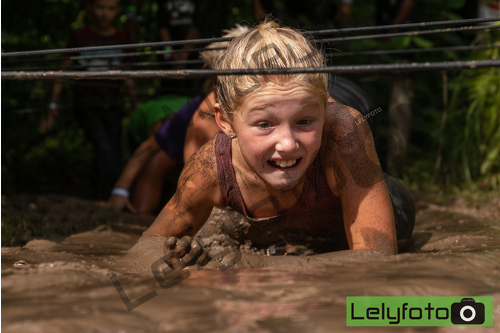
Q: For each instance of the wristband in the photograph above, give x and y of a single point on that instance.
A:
(120, 191)
(53, 106)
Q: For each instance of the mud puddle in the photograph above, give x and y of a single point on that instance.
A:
(63, 285)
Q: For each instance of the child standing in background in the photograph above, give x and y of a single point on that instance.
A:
(98, 104)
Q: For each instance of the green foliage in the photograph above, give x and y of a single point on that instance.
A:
(475, 122)
(16, 231)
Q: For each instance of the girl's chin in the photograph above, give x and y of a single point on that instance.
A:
(283, 184)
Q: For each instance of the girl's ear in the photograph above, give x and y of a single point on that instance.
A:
(224, 124)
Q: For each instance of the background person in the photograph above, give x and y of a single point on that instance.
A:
(98, 104)
(160, 155)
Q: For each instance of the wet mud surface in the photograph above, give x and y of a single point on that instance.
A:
(61, 284)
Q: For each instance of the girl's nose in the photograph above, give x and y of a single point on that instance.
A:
(286, 141)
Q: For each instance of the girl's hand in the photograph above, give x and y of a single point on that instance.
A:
(119, 203)
(183, 252)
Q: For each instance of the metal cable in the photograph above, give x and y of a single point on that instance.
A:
(410, 33)
(196, 73)
(212, 40)
(329, 55)
(403, 51)
(112, 55)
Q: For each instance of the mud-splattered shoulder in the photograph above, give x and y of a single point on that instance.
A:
(200, 172)
(342, 120)
(348, 146)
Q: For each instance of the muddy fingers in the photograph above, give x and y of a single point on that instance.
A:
(183, 252)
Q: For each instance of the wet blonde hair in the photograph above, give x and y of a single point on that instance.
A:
(210, 56)
(267, 46)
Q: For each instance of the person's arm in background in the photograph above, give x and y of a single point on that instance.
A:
(52, 112)
(344, 13)
(201, 127)
(163, 32)
(130, 85)
(404, 12)
(192, 33)
(119, 196)
(132, 28)
(258, 11)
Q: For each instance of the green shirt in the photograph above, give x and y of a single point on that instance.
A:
(151, 112)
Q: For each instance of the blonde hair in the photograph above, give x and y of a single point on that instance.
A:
(210, 56)
(267, 46)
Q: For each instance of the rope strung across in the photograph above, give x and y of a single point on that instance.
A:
(195, 73)
(114, 55)
(406, 51)
(115, 73)
(200, 62)
(213, 40)
(411, 33)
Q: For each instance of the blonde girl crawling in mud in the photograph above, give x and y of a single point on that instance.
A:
(301, 170)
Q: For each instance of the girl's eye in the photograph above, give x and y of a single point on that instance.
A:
(264, 125)
(303, 122)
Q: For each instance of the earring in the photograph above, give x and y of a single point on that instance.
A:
(231, 136)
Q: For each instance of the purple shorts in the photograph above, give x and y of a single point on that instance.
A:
(172, 134)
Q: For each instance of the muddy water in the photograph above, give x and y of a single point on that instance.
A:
(62, 286)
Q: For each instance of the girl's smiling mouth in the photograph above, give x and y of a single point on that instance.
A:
(283, 164)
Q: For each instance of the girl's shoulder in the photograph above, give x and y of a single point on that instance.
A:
(200, 173)
(344, 125)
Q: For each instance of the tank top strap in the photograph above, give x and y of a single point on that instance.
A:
(229, 190)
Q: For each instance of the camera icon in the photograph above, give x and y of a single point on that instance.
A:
(467, 312)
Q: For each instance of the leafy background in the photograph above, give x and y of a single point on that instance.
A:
(449, 154)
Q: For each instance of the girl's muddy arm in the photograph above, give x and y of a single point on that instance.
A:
(358, 179)
(197, 193)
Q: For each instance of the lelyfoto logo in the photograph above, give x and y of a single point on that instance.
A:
(419, 311)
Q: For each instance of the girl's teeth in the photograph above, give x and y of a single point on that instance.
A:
(285, 164)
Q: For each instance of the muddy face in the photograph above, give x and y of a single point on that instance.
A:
(278, 133)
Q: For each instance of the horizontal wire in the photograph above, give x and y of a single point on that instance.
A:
(403, 26)
(418, 50)
(225, 39)
(408, 33)
(329, 55)
(114, 55)
(112, 67)
(116, 47)
(196, 73)
(197, 62)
